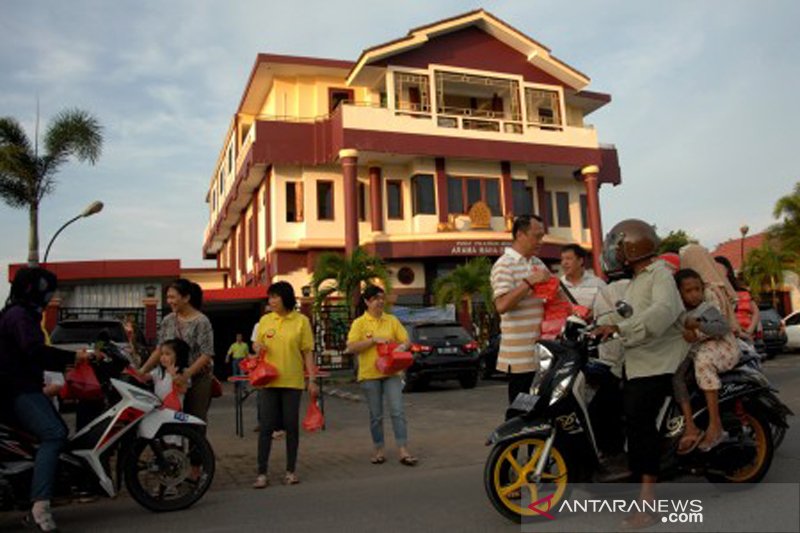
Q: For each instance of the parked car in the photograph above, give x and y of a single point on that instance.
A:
(772, 332)
(792, 325)
(442, 351)
(488, 357)
(77, 334)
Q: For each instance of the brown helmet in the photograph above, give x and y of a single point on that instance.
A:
(629, 241)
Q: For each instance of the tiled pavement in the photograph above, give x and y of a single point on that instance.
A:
(447, 427)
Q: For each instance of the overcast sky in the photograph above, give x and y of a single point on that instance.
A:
(704, 114)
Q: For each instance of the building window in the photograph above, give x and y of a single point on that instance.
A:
(544, 108)
(464, 192)
(478, 97)
(221, 183)
(562, 206)
(405, 276)
(584, 212)
(230, 159)
(522, 197)
(325, 200)
(294, 201)
(412, 93)
(337, 96)
(394, 199)
(424, 195)
(362, 202)
(547, 210)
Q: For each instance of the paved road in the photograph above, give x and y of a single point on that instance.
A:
(341, 491)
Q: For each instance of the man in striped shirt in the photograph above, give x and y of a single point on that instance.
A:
(513, 277)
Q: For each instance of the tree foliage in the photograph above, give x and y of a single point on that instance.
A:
(764, 266)
(464, 283)
(674, 241)
(345, 275)
(27, 176)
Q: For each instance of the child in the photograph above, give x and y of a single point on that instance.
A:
(714, 350)
(174, 360)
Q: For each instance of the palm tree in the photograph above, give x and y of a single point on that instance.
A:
(788, 230)
(464, 283)
(336, 273)
(764, 266)
(26, 176)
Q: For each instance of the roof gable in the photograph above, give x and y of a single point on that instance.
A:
(531, 51)
(471, 48)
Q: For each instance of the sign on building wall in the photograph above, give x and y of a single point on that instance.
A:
(475, 248)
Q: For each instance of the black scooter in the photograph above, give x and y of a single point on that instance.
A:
(551, 442)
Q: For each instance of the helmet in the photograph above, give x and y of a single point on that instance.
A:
(33, 286)
(629, 241)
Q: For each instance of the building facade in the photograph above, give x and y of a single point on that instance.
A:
(421, 151)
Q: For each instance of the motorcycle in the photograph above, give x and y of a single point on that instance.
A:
(165, 461)
(550, 443)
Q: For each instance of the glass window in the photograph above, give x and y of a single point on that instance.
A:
(337, 96)
(522, 197)
(325, 200)
(455, 195)
(294, 201)
(562, 206)
(543, 107)
(424, 195)
(493, 197)
(473, 192)
(362, 202)
(584, 212)
(477, 96)
(548, 209)
(394, 199)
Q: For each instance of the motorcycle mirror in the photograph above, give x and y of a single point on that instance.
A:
(623, 309)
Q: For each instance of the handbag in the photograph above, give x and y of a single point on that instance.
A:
(314, 420)
(390, 361)
(81, 383)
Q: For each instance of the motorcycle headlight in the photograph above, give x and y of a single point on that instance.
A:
(561, 389)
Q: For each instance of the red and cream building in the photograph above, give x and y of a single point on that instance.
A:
(421, 151)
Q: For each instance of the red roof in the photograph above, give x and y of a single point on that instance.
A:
(732, 249)
(256, 292)
(120, 269)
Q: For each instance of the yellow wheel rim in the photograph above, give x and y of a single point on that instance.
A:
(553, 481)
(760, 436)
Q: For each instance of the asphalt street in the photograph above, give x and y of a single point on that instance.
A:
(444, 493)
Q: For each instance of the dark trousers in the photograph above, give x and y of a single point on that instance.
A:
(518, 383)
(278, 405)
(605, 413)
(643, 399)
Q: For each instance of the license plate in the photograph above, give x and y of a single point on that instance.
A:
(449, 350)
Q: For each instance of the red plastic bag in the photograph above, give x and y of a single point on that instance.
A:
(389, 361)
(82, 383)
(313, 421)
(172, 400)
(263, 373)
(546, 290)
(216, 387)
(248, 364)
(556, 313)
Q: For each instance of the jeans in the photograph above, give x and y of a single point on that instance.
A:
(36, 415)
(392, 389)
(278, 407)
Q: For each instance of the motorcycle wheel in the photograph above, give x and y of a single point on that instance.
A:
(508, 469)
(159, 474)
(778, 433)
(755, 428)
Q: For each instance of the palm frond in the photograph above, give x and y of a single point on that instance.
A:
(12, 134)
(73, 132)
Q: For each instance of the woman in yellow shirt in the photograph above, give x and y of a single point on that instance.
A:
(286, 336)
(367, 331)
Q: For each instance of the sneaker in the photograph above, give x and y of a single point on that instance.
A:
(44, 523)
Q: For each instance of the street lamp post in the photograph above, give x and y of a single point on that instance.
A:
(91, 209)
(743, 230)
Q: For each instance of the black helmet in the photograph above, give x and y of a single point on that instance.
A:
(629, 241)
(33, 287)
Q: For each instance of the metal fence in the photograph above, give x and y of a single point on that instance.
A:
(106, 313)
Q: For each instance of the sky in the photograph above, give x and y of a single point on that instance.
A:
(704, 111)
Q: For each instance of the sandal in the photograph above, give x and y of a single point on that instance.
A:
(688, 443)
(261, 482)
(378, 460)
(408, 460)
(291, 479)
(713, 444)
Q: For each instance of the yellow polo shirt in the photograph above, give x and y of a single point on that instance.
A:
(366, 327)
(286, 338)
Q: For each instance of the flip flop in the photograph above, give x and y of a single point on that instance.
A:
(711, 445)
(695, 442)
(290, 479)
(408, 460)
(378, 460)
(639, 521)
